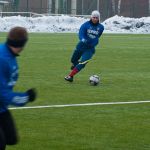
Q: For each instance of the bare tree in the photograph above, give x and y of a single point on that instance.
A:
(149, 7)
(119, 6)
(49, 6)
(113, 7)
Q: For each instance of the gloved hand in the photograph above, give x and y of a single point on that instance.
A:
(32, 94)
(84, 40)
(86, 43)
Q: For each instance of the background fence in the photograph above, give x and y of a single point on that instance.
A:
(108, 8)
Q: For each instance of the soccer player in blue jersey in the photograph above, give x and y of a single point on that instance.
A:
(89, 35)
(16, 40)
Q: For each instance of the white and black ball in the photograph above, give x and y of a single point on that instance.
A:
(94, 80)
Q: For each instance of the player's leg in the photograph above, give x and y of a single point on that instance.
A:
(75, 58)
(2, 140)
(86, 56)
(8, 128)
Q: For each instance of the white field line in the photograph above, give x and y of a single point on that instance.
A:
(78, 105)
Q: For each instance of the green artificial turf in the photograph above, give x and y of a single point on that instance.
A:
(121, 61)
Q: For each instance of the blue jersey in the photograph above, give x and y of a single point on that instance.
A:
(90, 33)
(8, 78)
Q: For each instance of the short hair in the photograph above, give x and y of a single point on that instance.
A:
(17, 37)
(18, 33)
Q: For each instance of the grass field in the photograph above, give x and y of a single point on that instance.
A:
(123, 64)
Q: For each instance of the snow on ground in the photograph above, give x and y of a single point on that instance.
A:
(43, 24)
(118, 24)
(65, 23)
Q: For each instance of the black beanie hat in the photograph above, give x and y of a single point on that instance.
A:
(17, 37)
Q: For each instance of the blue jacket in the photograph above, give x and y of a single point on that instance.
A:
(8, 78)
(89, 35)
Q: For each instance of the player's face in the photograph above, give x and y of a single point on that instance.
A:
(16, 50)
(95, 20)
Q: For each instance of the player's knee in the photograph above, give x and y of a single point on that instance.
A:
(74, 60)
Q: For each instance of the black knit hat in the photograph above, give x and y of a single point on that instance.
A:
(17, 37)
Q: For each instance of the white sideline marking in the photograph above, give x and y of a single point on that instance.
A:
(77, 105)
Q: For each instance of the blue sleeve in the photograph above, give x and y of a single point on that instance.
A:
(83, 32)
(7, 96)
(102, 29)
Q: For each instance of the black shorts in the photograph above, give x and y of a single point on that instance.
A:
(8, 133)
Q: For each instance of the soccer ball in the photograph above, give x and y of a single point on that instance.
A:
(94, 80)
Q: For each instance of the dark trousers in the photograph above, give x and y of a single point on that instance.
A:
(84, 56)
(8, 134)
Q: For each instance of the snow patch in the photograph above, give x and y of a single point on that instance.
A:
(64, 23)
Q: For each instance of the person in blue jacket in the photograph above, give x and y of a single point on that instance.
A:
(89, 35)
(16, 40)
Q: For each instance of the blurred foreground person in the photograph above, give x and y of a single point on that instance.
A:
(15, 42)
